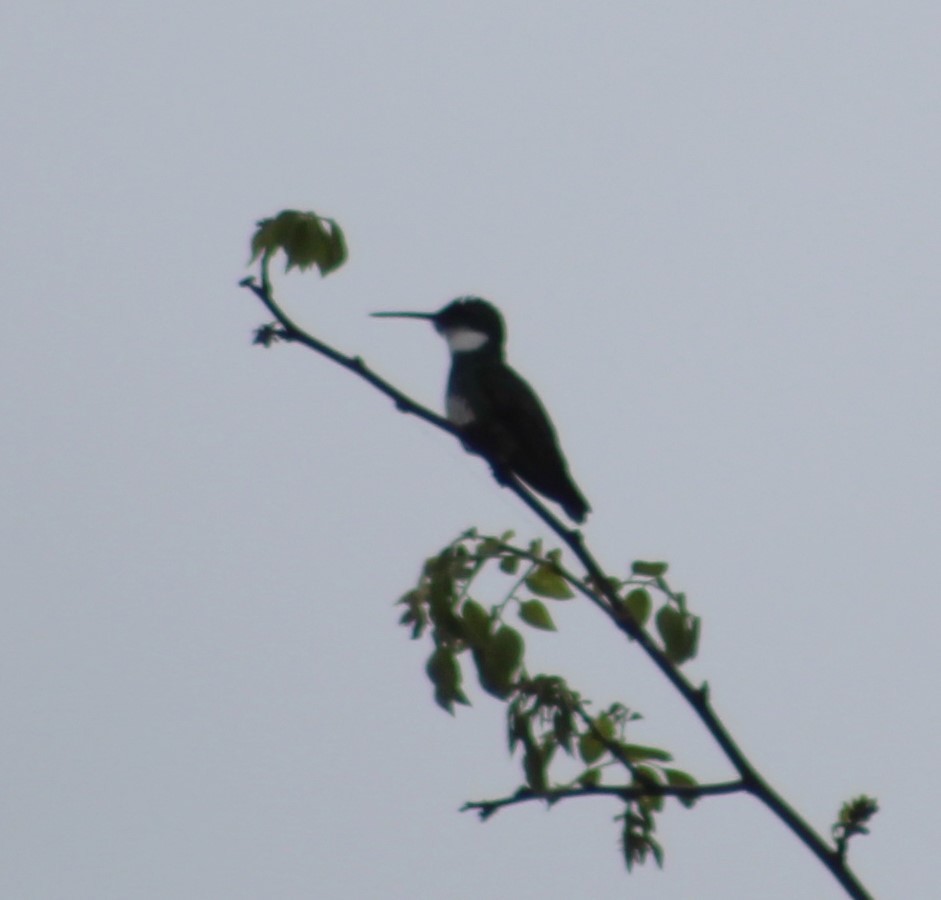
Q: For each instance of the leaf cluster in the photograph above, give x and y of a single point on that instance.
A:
(441, 604)
(677, 628)
(543, 714)
(853, 819)
(305, 238)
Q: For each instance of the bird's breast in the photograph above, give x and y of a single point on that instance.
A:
(458, 410)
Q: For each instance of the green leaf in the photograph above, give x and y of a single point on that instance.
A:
(518, 727)
(442, 595)
(657, 851)
(546, 581)
(650, 569)
(534, 613)
(510, 564)
(442, 668)
(492, 680)
(305, 242)
(476, 623)
(266, 335)
(627, 846)
(506, 649)
(498, 661)
(305, 238)
(605, 726)
(645, 776)
(335, 252)
(633, 844)
(638, 604)
(679, 632)
(415, 612)
(678, 778)
(590, 748)
(637, 840)
(590, 778)
(694, 636)
(447, 699)
(591, 744)
(445, 674)
(563, 727)
(670, 626)
(266, 238)
(534, 765)
(637, 753)
(488, 548)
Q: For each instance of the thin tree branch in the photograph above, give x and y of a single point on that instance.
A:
(486, 808)
(601, 593)
(292, 332)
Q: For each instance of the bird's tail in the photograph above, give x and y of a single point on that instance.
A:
(575, 505)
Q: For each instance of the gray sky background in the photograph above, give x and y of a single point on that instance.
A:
(714, 232)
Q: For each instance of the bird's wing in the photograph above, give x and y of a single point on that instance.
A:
(518, 434)
(526, 435)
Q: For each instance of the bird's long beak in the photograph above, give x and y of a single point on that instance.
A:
(403, 315)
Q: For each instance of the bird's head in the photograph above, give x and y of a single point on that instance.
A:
(468, 324)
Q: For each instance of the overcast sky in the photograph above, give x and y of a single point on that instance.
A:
(713, 229)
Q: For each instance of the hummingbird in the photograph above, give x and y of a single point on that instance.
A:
(498, 414)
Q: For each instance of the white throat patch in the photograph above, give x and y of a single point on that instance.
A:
(464, 340)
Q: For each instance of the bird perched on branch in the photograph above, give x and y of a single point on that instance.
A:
(497, 413)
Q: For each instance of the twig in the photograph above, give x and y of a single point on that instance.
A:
(486, 808)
